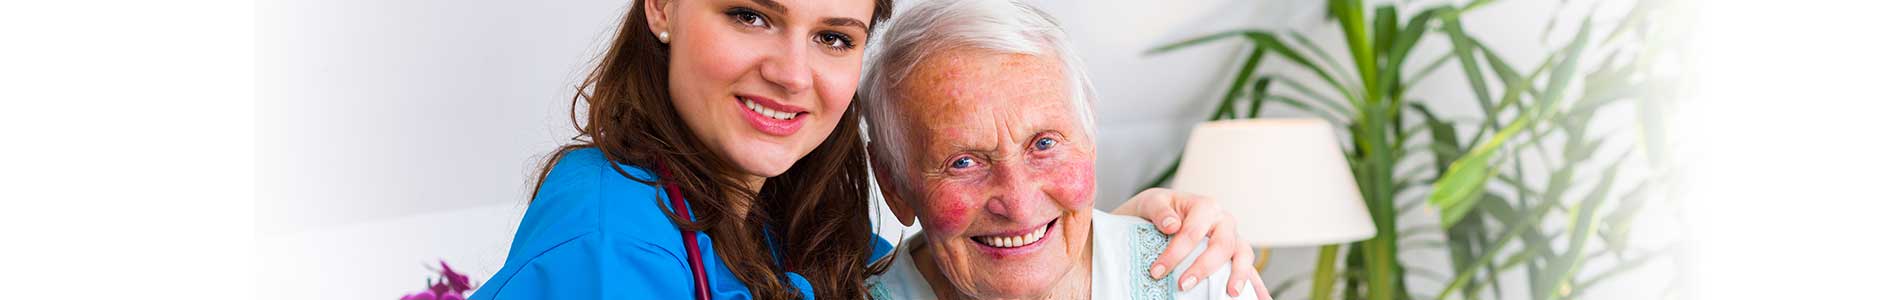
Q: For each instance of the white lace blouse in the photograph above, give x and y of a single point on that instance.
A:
(1125, 247)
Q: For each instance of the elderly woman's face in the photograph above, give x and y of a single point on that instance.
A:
(1007, 171)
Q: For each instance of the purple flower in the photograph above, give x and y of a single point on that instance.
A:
(424, 295)
(458, 283)
(451, 286)
(439, 288)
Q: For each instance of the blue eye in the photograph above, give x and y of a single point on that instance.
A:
(962, 162)
(1045, 143)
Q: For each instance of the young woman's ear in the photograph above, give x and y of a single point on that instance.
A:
(658, 21)
(900, 206)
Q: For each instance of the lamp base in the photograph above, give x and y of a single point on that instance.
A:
(1260, 259)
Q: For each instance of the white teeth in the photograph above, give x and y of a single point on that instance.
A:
(767, 112)
(1014, 241)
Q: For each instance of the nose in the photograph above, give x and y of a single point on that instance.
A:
(1014, 195)
(789, 69)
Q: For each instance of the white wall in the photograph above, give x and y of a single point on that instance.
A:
(394, 133)
(376, 109)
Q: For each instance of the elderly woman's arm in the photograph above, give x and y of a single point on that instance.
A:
(1204, 219)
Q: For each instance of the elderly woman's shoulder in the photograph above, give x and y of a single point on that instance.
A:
(1132, 244)
(1127, 246)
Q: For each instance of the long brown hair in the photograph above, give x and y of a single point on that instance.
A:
(817, 211)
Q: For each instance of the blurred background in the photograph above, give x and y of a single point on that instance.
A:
(1646, 149)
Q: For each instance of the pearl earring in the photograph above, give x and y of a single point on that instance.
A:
(665, 38)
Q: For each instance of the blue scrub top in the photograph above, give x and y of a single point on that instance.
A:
(594, 234)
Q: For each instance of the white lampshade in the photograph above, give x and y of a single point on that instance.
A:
(1284, 179)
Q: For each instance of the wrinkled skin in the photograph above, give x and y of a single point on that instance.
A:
(1001, 152)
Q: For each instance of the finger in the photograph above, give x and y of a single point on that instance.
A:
(1260, 289)
(1158, 206)
(1242, 267)
(1220, 251)
(1241, 280)
(1182, 204)
(1200, 217)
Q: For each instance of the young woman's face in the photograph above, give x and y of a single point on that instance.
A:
(762, 82)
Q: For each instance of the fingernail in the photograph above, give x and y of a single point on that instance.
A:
(1156, 271)
(1232, 289)
(1169, 223)
(1187, 283)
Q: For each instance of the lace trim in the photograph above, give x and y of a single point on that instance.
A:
(1148, 244)
(878, 291)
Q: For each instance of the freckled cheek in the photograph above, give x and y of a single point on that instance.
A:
(947, 210)
(1073, 185)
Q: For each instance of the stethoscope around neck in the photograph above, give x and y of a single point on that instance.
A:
(701, 289)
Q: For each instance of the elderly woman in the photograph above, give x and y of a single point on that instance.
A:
(982, 127)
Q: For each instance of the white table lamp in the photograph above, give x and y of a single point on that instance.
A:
(1285, 179)
(1287, 182)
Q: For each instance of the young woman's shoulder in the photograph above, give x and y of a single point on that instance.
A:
(587, 193)
(589, 230)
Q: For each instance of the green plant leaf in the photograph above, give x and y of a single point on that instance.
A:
(1226, 108)
(1534, 242)
(1170, 47)
(1430, 68)
(1385, 28)
(1272, 42)
(1331, 105)
(1621, 267)
(1320, 52)
(1351, 15)
(1411, 34)
(1261, 40)
(1259, 96)
(1566, 69)
(1584, 222)
(1456, 192)
(1308, 108)
(1527, 220)
(1400, 47)
(1616, 227)
(1444, 138)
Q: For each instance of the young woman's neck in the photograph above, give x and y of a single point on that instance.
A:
(752, 184)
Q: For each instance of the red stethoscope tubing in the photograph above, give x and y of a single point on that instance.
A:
(688, 237)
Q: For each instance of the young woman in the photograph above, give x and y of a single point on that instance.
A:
(711, 164)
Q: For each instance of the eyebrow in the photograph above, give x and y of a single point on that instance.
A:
(845, 22)
(771, 5)
(780, 8)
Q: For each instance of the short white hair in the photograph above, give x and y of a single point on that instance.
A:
(936, 26)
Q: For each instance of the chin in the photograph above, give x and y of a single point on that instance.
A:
(997, 287)
(765, 165)
(1032, 278)
(762, 157)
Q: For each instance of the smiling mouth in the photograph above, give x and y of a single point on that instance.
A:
(767, 111)
(1015, 241)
